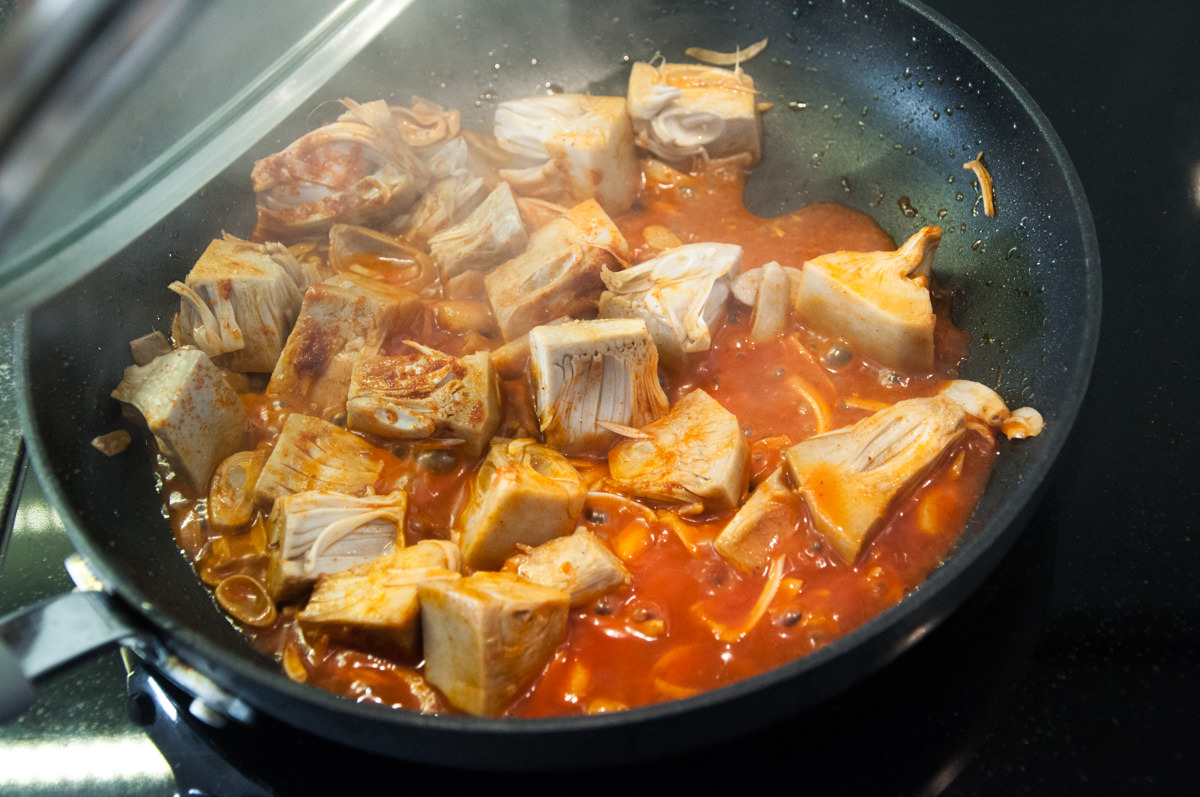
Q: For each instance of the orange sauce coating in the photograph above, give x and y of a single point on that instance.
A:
(689, 621)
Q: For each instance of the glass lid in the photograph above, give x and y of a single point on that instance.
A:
(112, 112)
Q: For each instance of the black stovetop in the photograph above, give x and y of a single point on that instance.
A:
(1076, 669)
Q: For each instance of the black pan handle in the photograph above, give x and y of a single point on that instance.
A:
(39, 639)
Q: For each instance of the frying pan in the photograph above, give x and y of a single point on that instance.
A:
(875, 105)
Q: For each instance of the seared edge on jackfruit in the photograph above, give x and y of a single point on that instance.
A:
(426, 394)
(342, 319)
(558, 274)
(357, 170)
(312, 454)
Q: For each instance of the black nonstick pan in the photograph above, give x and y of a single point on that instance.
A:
(875, 105)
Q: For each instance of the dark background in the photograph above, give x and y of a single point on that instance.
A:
(1107, 701)
(1075, 669)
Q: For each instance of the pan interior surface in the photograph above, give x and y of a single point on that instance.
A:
(873, 105)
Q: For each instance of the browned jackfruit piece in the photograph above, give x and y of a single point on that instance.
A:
(357, 170)
(559, 273)
(312, 454)
(426, 394)
(341, 320)
(373, 606)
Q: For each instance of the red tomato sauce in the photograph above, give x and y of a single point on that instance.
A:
(689, 621)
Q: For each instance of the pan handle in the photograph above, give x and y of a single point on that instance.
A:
(41, 638)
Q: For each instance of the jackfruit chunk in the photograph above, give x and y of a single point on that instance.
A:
(681, 111)
(589, 374)
(849, 477)
(523, 494)
(680, 294)
(772, 513)
(357, 170)
(195, 416)
(317, 532)
(491, 235)
(312, 454)
(488, 636)
(696, 454)
(238, 304)
(373, 606)
(567, 148)
(579, 564)
(877, 301)
(342, 319)
(426, 394)
(559, 273)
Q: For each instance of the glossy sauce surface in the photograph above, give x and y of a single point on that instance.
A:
(689, 621)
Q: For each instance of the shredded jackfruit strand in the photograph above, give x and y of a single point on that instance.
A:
(736, 58)
(291, 265)
(859, 403)
(426, 123)
(673, 662)
(814, 399)
(211, 336)
(985, 183)
(622, 430)
(340, 529)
